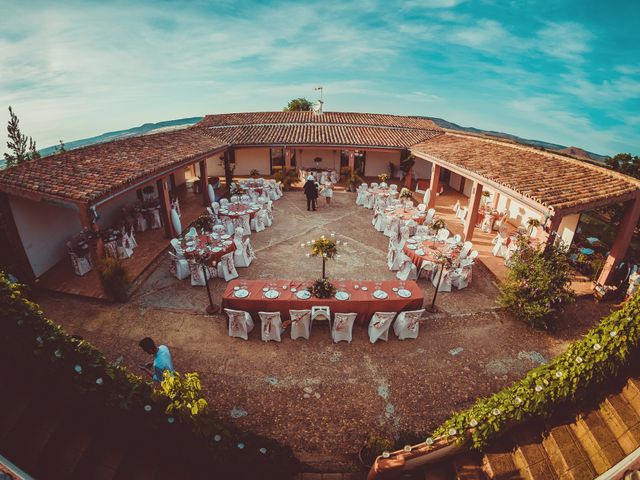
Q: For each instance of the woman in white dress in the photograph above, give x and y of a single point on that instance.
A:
(327, 192)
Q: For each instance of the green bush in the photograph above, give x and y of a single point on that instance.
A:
(33, 343)
(114, 278)
(538, 283)
(286, 176)
(571, 377)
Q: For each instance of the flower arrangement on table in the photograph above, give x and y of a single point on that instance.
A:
(436, 226)
(322, 288)
(236, 189)
(406, 194)
(383, 177)
(204, 223)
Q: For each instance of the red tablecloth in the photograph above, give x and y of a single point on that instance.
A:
(361, 302)
(206, 243)
(235, 210)
(431, 252)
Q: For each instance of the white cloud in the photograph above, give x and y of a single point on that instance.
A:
(568, 41)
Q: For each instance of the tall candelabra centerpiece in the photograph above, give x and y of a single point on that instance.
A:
(325, 248)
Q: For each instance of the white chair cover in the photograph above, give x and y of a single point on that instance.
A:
(430, 214)
(466, 248)
(300, 324)
(379, 326)
(456, 207)
(499, 248)
(445, 281)
(175, 220)
(407, 324)
(156, 223)
(141, 223)
(132, 238)
(487, 223)
(461, 277)
(257, 222)
(197, 274)
(426, 269)
(443, 234)
(226, 268)
(423, 231)
(407, 270)
(271, 326)
(192, 232)
(392, 229)
(240, 323)
(369, 200)
(427, 196)
(422, 207)
(394, 257)
(179, 267)
(342, 327)
(224, 202)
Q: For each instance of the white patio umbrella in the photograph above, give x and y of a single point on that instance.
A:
(212, 193)
(175, 221)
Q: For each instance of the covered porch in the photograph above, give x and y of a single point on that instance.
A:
(151, 244)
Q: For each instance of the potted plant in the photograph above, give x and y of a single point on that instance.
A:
(322, 288)
(317, 161)
(354, 182)
(407, 196)
(373, 446)
(383, 177)
(114, 278)
(485, 197)
(532, 223)
(254, 173)
(204, 223)
(287, 177)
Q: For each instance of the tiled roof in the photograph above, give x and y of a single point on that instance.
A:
(89, 173)
(330, 118)
(551, 180)
(310, 134)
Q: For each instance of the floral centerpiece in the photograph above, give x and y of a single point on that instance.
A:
(204, 223)
(383, 177)
(406, 194)
(436, 226)
(236, 189)
(322, 288)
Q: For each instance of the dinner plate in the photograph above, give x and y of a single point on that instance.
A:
(241, 293)
(216, 249)
(412, 247)
(420, 252)
(380, 294)
(190, 249)
(411, 240)
(364, 288)
(272, 294)
(342, 296)
(403, 292)
(225, 236)
(303, 294)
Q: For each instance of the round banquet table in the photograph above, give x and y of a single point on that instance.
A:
(235, 210)
(406, 214)
(431, 252)
(382, 192)
(213, 247)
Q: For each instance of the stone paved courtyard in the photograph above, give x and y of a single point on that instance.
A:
(323, 398)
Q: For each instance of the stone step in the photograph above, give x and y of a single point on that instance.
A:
(498, 463)
(468, 467)
(439, 471)
(530, 456)
(566, 454)
(140, 463)
(631, 392)
(598, 441)
(11, 409)
(623, 421)
(104, 456)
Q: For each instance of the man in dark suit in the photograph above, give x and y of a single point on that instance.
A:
(311, 192)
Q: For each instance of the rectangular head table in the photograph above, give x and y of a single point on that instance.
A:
(361, 302)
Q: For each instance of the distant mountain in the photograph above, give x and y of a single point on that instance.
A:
(572, 151)
(120, 134)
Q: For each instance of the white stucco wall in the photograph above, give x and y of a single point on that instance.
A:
(454, 181)
(567, 228)
(248, 159)
(44, 230)
(422, 168)
(378, 162)
(179, 176)
(330, 157)
(111, 212)
(215, 168)
(518, 213)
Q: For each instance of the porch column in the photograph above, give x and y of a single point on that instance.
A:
(287, 158)
(165, 207)
(434, 184)
(496, 199)
(407, 178)
(352, 161)
(86, 220)
(550, 233)
(623, 239)
(204, 179)
(472, 213)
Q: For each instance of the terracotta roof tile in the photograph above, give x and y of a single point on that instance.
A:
(551, 180)
(332, 118)
(89, 173)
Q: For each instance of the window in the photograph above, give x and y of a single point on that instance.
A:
(359, 159)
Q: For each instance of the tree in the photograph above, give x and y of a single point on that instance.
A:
(23, 148)
(299, 105)
(60, 148)
(538, 283)
(625, 163)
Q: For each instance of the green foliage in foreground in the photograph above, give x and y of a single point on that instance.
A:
(538, 284)
(570, 377)
(177, 412)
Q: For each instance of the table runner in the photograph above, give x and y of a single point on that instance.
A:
(361, 302)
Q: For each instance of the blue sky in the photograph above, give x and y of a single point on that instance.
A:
(562, 71)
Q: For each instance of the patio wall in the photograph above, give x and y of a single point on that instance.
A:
(249, 158)
(44, 230)
(568, 226)
(422, 168)
(330, 158)
(378, 162)
(111, 212)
